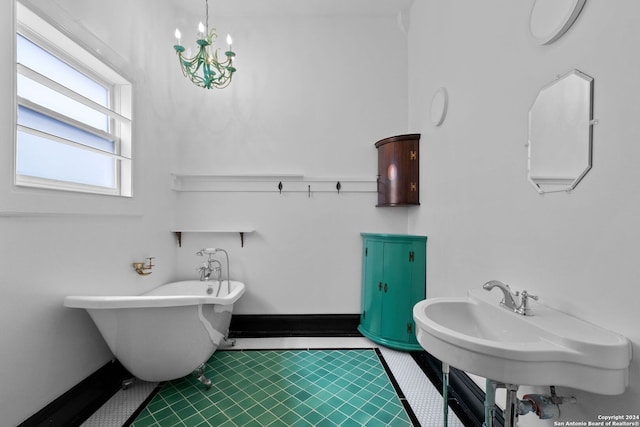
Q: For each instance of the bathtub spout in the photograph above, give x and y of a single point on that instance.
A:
(209, 267)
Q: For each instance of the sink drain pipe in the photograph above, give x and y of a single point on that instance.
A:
(544, 406)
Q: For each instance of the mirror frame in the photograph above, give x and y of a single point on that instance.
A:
(570, 120)
(548, 23)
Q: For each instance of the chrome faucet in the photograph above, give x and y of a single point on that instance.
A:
(510, 299)
(208, 268)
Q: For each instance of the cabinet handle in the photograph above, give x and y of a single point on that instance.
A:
(385, 288)
(380, 286)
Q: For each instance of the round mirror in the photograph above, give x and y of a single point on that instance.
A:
(550, 19)
(439, 104)
(560, 133)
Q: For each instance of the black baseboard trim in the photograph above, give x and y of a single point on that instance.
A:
(294, 325)
(75, 406)
(79, 403)
(466, 399)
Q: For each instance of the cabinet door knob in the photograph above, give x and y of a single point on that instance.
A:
(385, 287)
(380, 286)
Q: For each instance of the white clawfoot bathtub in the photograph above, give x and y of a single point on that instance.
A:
(165, 333)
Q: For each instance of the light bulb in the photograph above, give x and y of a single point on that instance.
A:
(229, 40)
(178, 35)
(200, 28)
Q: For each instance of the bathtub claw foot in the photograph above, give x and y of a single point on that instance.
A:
(205, 381)
(229, 342)
(126, 383)
(199, 373)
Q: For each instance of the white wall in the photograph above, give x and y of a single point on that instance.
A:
(312, 95)
(63, 244)
(577, 251)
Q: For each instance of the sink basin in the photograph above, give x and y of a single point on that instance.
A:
(477, 335)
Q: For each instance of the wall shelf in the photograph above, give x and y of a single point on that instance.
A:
(178, 232)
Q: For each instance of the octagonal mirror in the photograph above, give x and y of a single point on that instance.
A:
(560, 133)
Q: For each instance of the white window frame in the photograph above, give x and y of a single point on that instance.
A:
(46, 36)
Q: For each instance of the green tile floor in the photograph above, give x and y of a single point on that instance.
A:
(281, 388)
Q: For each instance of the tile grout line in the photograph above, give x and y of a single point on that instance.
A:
(400, 377)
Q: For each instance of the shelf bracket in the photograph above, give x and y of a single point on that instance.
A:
(242, 239)
(179, 237)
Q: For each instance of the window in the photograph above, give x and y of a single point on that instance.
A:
(73, 128)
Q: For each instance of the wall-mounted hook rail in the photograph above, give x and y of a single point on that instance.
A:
(294, 183)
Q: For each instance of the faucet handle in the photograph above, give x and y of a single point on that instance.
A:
(524, 308)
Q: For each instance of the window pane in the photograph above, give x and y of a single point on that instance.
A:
(35, 120)
(43, 62)
(69, 132)
(49, 98)
(43, 158)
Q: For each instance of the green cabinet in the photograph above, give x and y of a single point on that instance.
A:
(393, 281)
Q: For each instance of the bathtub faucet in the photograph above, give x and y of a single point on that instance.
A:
(207, 267)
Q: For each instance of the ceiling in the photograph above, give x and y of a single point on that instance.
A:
(299, 7)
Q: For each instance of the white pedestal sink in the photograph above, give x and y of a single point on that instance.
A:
(477, 335)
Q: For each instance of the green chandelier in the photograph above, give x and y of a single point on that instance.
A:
(205, 69)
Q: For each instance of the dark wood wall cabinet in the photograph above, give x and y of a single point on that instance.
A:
(399, 170)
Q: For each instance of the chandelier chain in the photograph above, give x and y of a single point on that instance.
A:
(206, 13)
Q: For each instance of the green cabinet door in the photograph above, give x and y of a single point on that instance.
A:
(393, 281)
(373, 270)
(397, 281)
